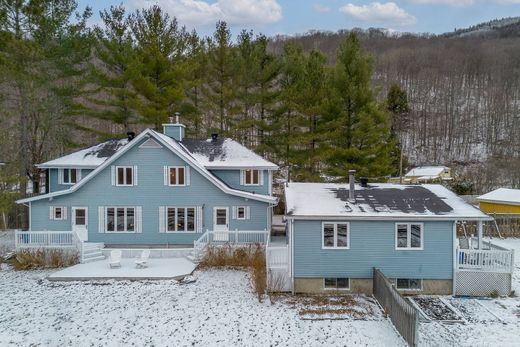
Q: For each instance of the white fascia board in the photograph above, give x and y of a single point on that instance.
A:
(242, 167)
(43, 166)
(389, 218)
(500, 202)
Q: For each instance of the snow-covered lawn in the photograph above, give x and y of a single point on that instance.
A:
(490, 322)
(219, 309)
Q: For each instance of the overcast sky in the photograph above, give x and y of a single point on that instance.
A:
(298, 16)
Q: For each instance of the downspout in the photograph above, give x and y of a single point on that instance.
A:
(455, 259)
(291, 240)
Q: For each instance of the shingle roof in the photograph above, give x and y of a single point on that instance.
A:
(380, 200)
(504, 195)
(88, 157)
(225, 153)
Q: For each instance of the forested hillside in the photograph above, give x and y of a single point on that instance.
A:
(316, 104)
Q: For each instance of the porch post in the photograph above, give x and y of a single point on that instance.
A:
(480, 229)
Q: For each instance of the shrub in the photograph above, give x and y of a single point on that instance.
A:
(251, 258)
(494, 294)
(41, 258)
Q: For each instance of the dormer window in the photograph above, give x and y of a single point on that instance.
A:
(251, 177)
(69, 176)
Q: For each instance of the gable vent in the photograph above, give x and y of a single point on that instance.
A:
(150, 143)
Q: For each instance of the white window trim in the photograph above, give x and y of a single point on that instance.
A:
(335, 235)
(245, 213)
(420, 289)
(61, 177)
(409, 237)
(117, 176)
(63, 213)
(336, 289)
(176, 175)
(115, 220)
(260, 177)
(185, 220)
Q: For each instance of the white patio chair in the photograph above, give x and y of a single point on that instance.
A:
(142, 262)
(115, 258)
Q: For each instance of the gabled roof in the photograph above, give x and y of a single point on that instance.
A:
(502, 195)
(90, 157)
(176, 148)
(426, 171)
(377, 201)
(225, 154)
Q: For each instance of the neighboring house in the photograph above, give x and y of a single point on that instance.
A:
(336, 238)
(502, 201)
(155, 189)
(425, 174)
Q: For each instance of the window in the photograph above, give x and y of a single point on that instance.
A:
(409, 236)
(336, 283)
(70, 176)
(120, 219)
(124, 176)
(408, 284)
(57, 213)
(177, 176)
(335, 235)
(180, 219)
(252, 177)
(241, 212)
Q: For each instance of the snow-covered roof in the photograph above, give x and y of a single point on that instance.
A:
(377, 201)
(502, 195)
(426, 171)
(225, 153)
(212, 154)
(90, 157)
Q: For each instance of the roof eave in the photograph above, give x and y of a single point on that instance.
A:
(391, 218)
(502, 202)
(238, 167)
(63, 166)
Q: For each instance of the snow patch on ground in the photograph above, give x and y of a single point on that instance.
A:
(218, 309)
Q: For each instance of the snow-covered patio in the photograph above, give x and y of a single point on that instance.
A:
(158, 269)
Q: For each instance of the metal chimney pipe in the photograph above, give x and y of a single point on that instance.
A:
(351, 190)
(177, 114)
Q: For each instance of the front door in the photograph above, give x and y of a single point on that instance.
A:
(80, 222)
(221, 223)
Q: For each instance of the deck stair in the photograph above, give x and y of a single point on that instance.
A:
(91, 251)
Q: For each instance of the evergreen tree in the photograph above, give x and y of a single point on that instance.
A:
(359, 129)
(220, 91)
(397, 105)
(112, 71)
(162, 65)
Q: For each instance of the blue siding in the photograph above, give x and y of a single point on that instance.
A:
(53, 179)
(372, 244)
(232, 179)
(150, 194)
(175, 131)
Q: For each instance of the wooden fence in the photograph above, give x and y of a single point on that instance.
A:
(402, 314)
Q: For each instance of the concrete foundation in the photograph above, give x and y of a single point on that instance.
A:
(364, 286)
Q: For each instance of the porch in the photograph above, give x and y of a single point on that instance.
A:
(482, 267)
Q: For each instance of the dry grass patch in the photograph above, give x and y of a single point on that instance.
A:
(250, 258)
(42, 258)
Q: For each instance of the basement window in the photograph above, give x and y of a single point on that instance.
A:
(341, 283)
(408, 283)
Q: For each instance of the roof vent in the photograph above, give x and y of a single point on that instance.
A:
(363, 181)
(214, 137)
(351, 190)
(130, 135)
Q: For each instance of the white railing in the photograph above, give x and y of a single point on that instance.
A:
(235, 237)
(277, 256)
(45, 239)
(486, 260)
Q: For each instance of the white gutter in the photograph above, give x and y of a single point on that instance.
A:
(399, 218)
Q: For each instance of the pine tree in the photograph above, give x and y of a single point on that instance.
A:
(397, 105)
(220, 91)
(161, 69)
(359, 128)
(112, 71)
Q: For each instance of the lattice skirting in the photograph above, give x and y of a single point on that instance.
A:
(477, 283)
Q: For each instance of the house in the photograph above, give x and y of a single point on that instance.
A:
(425, 174)
(154, 190)
(338, 233)
(502, 201)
